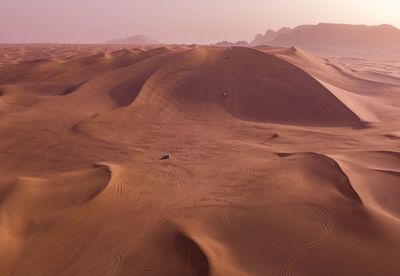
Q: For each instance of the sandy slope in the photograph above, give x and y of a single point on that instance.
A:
(295, 172)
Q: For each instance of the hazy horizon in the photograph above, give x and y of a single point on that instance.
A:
(176, 21)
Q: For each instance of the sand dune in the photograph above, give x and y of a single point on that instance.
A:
(257, 86)
(281, 163)
(372, 99)
(136, 40)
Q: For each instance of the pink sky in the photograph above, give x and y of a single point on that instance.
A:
(180, 21)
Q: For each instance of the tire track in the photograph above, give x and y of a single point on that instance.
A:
(87, 241)
(137, 241)
(319, 216)
(116, 260)
(327, 224)
(118, 188)
(287, 268)
(140, 187)
(17, 270)
(50, 152)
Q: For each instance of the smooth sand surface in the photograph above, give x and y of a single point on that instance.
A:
(281, 163)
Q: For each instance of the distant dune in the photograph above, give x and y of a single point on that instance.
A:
(280, 162)
(140, 40)
(336, 38)
(228, 44)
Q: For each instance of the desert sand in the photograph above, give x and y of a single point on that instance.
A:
(295, 170)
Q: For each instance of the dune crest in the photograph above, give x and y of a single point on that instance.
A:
(196, 160)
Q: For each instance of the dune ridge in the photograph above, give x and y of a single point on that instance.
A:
(279, 162)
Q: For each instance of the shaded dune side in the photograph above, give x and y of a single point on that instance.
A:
(260, 87)
(115, 88)
(191, 249)
(27, 203)
(20, 72)
(392, 136)
(72, 88)
(76, 70)
(191, 255)
(179, 254)
(335, 74)
(118, 87)
(93, 67)
(325, 167)
(85, 81)
(355, 90)
(126, 91)
(376, 176)
(376, 160)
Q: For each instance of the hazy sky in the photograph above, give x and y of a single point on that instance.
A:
(188, 21)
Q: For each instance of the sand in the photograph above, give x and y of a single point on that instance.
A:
(294, 171)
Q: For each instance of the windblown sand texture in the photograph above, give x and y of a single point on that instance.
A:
(295, 171)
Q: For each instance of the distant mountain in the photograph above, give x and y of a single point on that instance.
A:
(135, 40)
(335, 38)
(227, 43)
(269, 35)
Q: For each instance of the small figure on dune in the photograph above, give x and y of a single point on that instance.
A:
(230, 51)
(275, 135)
(165, 157)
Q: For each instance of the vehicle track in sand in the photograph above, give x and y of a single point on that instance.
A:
(327, 224)
(315, 214)
(118, 188)
(18, 270)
